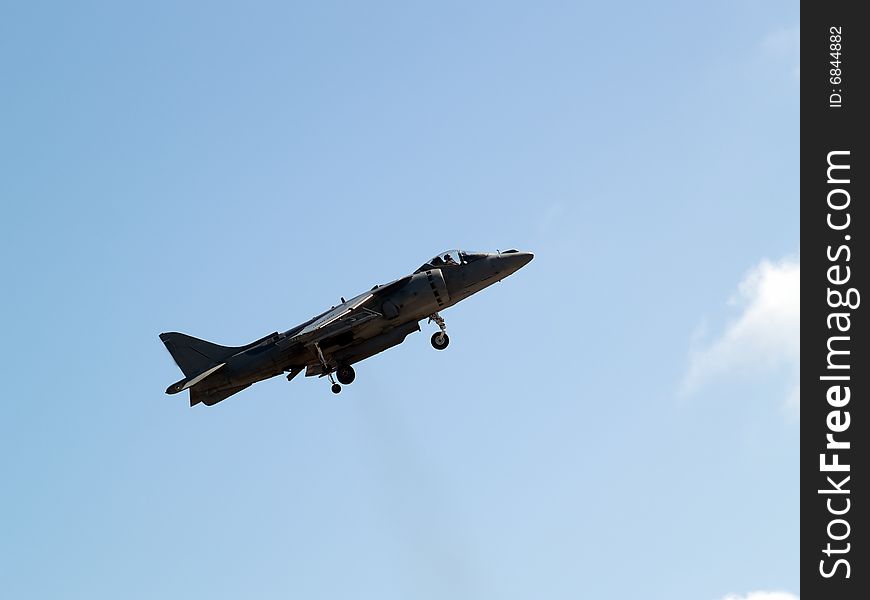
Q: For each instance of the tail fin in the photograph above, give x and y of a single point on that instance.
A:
(192, 355)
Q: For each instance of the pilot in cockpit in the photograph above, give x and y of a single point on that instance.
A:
(449, 259)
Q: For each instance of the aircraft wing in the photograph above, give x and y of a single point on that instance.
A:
(343, 317)
(337, 313)
(345, 322)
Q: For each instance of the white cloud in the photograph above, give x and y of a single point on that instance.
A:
(763, 596)
(763, 339)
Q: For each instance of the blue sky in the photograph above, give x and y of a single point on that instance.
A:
(617, 420)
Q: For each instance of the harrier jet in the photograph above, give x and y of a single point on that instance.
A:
(333, 341)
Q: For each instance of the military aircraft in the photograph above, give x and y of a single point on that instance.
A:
(343, 335)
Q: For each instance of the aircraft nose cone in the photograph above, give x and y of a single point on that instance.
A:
(525, 258)
(517, 260)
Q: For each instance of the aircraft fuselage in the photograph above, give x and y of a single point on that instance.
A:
(345, 334)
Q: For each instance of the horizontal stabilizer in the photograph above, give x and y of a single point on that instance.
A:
(191, 381)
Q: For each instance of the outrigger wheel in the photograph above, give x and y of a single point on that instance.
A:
(440, 340)
(345, 374)
(336, 388)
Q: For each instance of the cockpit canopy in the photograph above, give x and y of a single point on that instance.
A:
(450, 258)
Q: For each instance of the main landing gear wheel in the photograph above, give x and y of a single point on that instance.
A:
(336, 388)
(345, 374)
(440, 340)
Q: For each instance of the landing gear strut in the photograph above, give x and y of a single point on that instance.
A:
(439, 340)
(335, 387)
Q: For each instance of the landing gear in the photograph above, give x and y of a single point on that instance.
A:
(439, 340)
(335, 387)
(345, 374)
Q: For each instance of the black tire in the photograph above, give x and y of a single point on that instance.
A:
(440, 340)
(336, 388)
(345, 374)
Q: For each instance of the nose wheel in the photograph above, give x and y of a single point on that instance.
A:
(439, 340)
